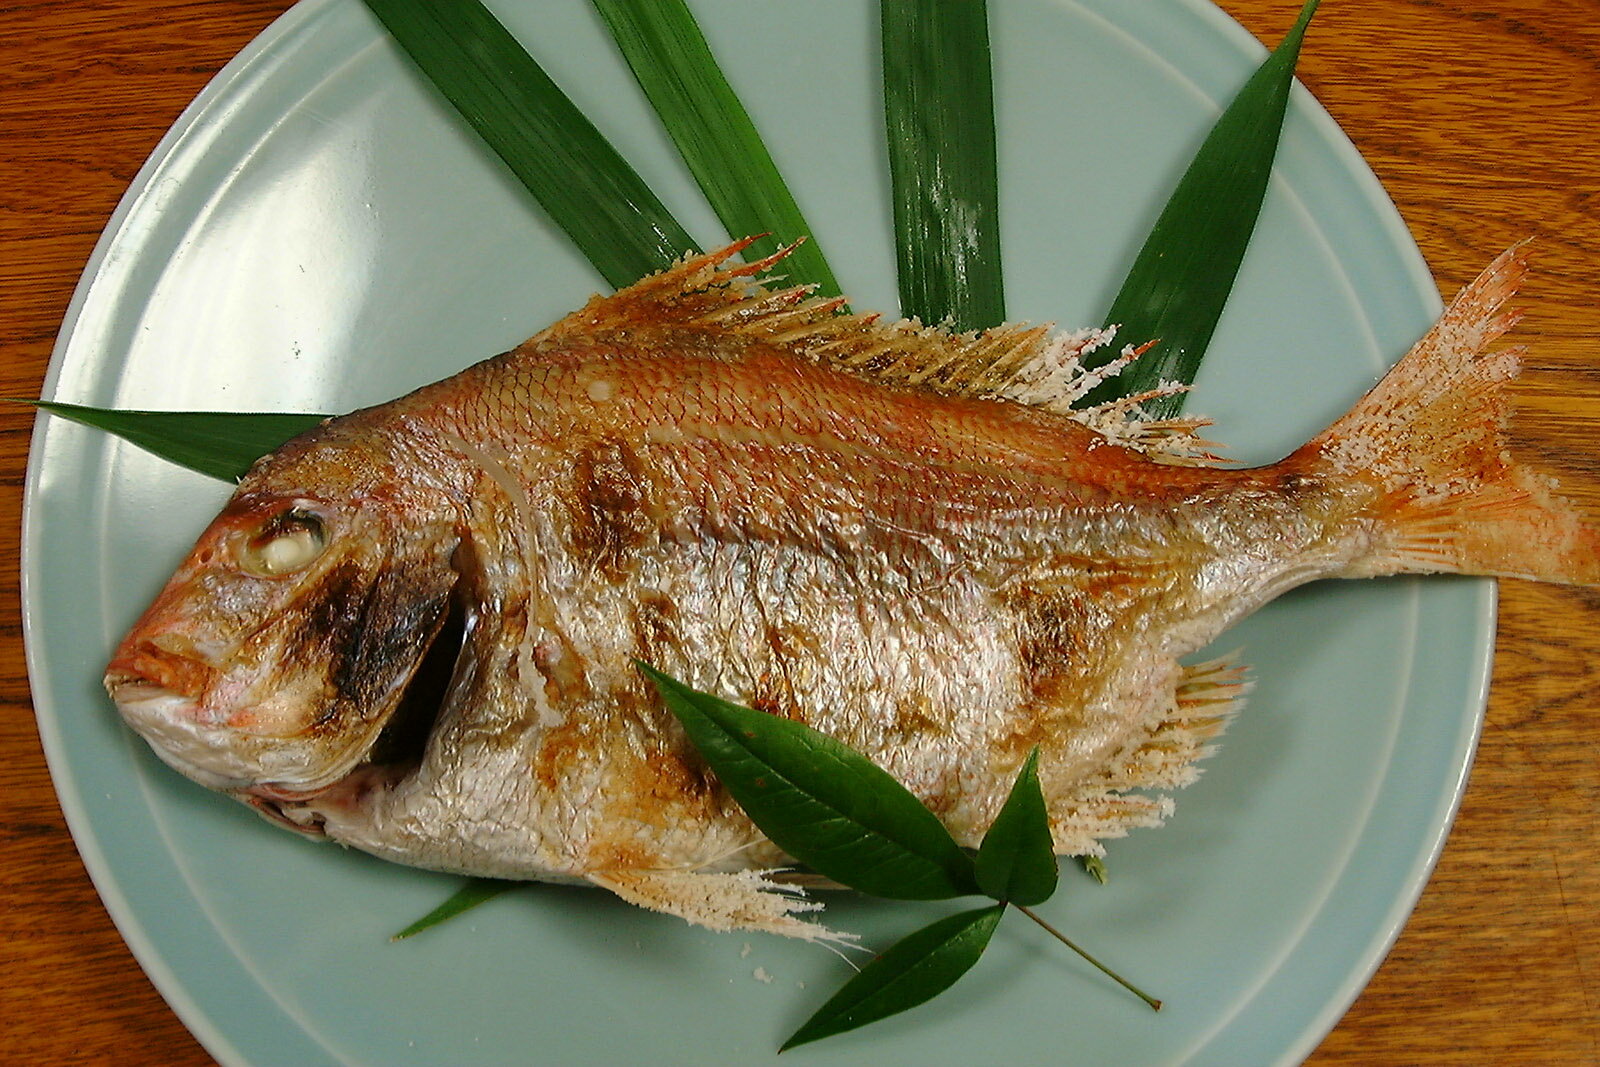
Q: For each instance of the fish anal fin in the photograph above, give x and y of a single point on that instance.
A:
(722, 901)
(1207, 695)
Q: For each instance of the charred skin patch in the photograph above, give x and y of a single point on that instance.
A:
(611, 517)
(914, 719)
(562, 748)
(644, 781)
(1053, 637)
(1054, 642)
(365, 631)
(330, 610)
(652, 792)
(654, 620)
(406, 733)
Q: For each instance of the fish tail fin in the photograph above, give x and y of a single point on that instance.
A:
(1432, 436)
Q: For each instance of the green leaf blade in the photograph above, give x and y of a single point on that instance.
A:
(669, 57)
(820, 801)
(1179, 283)
(1017, 861)
(579, 179)
(221, 444)
(918, 968)
(476, 891)
(938, 98)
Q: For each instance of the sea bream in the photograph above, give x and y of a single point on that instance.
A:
(414, 630)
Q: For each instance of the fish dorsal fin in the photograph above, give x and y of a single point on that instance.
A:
(1028, 364)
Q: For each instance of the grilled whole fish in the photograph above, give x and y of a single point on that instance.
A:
(413, 629)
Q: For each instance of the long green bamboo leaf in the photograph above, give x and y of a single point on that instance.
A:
(221, 444)
(1180, 281)
(573, 172)
(674, 66)
(474, 892)
(938, 100)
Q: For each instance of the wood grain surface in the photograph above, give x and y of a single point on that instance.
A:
(1482, 119)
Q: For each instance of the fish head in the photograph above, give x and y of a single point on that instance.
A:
(274, 657)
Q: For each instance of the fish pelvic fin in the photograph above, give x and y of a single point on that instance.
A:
(1432, 437)
(714, 295)
(737, 900)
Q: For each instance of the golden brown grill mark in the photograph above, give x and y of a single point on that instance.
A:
(558, 751)
(611, 518)
(654, 619)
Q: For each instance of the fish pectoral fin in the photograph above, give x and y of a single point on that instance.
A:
(740, 900)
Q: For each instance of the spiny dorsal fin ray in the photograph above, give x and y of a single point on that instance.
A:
(1024, 363)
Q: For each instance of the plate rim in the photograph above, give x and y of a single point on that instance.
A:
(151, 957)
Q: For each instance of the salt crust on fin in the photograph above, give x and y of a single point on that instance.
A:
(1433, 436)
(738, 900)
(1207, 695)
(1027, 364)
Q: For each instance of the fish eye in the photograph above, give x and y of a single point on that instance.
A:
(289, 542)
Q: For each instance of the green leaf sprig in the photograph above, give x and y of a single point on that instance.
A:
(221, 444)
(837, 812)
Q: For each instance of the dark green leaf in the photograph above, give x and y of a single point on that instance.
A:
(669, 56)
(574, 173)
(1180, 281)
(938, 103)
(469, 896)
(222, 444)
(918, 968)
(1017, 861)
(820, 801)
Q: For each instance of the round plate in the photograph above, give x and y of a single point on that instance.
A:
(319, 232)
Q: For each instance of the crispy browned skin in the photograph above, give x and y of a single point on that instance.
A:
(852, 524)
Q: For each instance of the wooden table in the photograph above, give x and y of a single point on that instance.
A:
(1482, 118)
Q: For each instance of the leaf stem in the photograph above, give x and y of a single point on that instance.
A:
(1155, 1005)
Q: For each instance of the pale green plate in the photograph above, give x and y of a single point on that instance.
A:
(318, 232)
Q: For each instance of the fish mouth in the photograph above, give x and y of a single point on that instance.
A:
(170, 722)
(305, 810)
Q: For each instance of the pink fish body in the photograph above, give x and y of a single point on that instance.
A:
(413, 630)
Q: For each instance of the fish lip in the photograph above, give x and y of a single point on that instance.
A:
(276, 791)
(173, 724)
(165, 719)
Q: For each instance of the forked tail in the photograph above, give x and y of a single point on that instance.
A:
(1432, 437)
